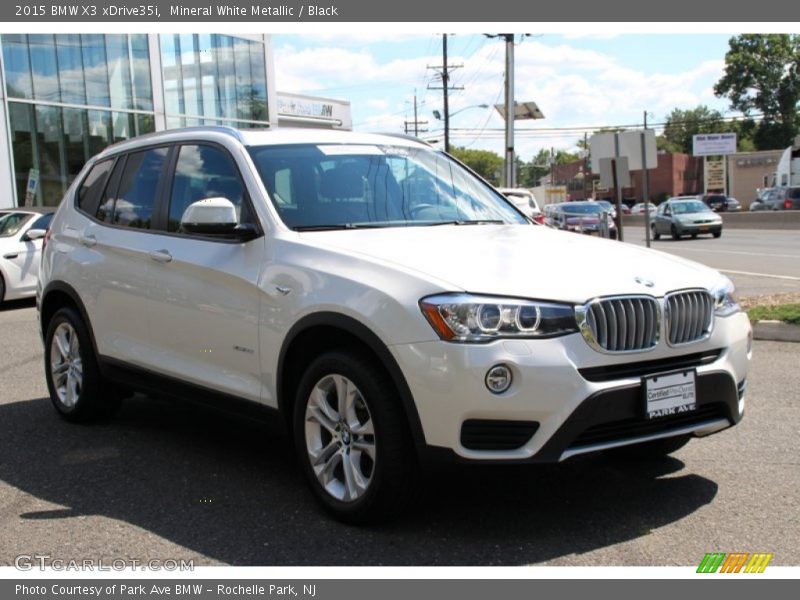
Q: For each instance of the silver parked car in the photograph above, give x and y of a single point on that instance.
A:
(685, 215)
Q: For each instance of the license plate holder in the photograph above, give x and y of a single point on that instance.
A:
(669, 394)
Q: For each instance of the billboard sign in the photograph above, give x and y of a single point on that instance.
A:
(713, 144)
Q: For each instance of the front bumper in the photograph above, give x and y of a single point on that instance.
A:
(684, 228)
(569, 398)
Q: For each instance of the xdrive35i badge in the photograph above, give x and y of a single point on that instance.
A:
(645, 282)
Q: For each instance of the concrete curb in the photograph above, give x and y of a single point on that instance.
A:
(776, 331)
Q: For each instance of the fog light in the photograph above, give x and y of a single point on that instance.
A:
(498, 379)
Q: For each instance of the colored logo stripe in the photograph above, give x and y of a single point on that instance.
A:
(734, 562)
(758, 563)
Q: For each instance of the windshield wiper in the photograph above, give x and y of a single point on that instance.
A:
(469, 222)
(340, 226)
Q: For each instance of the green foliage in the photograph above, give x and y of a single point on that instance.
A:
(789, 313)
(487, 164)
(762, 73)
(681, 125)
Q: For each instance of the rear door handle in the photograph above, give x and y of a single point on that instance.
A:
(162, 256)
(87, 239)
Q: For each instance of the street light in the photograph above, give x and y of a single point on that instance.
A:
(438, 116)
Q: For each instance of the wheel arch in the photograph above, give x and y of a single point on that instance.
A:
(56, 295)
(323, 331)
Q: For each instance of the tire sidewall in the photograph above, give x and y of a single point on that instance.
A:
(369, 383)
(90, 377)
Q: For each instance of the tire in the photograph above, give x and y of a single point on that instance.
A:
(371, 437)
(654, 234)
(694, 236)
(77, 389)
(674, 232)
(717, 234)
(2, 289)
(652, 450)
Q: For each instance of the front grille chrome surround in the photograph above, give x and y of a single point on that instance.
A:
(620, 324)
(688, 317)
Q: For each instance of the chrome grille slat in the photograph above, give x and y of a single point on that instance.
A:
(689, 316)
(621, 324)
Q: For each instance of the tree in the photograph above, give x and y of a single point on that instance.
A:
(762, 73)
(681, 125)
(487, 164)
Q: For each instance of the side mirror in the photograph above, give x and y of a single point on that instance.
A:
(211, 216)
(34, 234)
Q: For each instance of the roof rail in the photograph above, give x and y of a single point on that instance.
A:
(226, 129)
(404, 136)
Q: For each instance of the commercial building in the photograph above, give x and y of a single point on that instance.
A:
(677, 174)
(65, 97)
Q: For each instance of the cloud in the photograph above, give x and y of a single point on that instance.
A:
(574, 87)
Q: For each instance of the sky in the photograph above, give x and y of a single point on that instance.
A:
(578, 81)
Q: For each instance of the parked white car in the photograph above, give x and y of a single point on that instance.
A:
(381, 299)
(525, 201)
(21, 234)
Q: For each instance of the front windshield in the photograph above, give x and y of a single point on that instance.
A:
(327, 186)
(10, 223)
(689, 207)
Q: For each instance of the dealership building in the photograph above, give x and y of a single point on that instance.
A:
(65, 97)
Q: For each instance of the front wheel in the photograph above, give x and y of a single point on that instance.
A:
(717, 234)
(674, 231)
(352, 438)
(76, 387)
(654, 234)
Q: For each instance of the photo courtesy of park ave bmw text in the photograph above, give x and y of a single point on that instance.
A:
(297, 299)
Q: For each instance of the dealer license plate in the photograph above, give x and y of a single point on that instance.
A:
(669, 394)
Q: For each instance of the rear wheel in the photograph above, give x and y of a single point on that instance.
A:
(2, 289)
(352, 438)
(650, 450)
(77, 389)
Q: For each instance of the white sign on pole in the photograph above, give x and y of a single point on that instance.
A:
(713, 144)
(601, 145)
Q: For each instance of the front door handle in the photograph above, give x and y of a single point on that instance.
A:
(87, 239)
(162, 256)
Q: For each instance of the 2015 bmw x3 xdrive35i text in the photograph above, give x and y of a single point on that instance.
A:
(389, 303)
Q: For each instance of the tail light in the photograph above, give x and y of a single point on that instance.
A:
(787, 204)
(540, 219)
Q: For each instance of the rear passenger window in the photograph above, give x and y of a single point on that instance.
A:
(92, 186)
(203, 172)
(135, 200)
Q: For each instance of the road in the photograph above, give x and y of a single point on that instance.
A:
(758, 261)
(169, 481)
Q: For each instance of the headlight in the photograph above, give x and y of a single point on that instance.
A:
(467, 318)
(726, 302)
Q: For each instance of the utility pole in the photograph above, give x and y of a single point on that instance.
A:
(445, 76)
(510, 179)
(645, 186)
(414, 125)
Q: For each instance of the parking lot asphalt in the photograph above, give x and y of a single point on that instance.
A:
(170, 481)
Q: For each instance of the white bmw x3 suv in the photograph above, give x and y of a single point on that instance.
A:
(380, 296)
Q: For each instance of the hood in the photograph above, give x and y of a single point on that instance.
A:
(526, 261)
